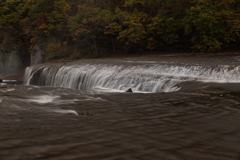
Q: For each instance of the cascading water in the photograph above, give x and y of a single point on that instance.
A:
(62, 123)
(142, 77)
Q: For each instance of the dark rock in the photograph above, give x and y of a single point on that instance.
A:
(38, 53)
(10, 56)
(129, 90)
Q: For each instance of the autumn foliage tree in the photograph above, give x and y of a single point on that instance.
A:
(12, 12)
(205, 21)
(89, 23)
(126, 25)
(46, 17)
(34, 19)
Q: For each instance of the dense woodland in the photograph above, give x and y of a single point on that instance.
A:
(117, 26)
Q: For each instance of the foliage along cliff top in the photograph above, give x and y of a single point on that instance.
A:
(128, 25)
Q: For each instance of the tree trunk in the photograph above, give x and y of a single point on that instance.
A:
(114, 51)
(66, 44)
(95, 44)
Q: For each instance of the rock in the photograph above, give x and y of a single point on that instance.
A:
(10, 56)
(1, 81)
(10, 62)
(129, 90)
(38, 53)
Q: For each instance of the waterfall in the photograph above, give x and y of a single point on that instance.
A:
(155, 77)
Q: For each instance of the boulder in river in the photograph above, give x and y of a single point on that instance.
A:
(129, 90)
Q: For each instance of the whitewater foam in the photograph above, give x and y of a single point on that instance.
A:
(149, 77)
(42, 99)
(61, 111)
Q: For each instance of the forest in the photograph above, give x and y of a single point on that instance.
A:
(123, 26)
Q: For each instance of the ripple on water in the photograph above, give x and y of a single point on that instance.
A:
(199, 122)
(42, 99)
(61, 111)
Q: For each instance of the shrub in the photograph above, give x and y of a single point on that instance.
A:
(55, 50)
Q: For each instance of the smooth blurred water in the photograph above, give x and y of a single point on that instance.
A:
(141, 76)
(81, 111)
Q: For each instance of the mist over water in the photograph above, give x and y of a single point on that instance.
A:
(79, 110)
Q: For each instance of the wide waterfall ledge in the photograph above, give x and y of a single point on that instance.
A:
(162, 75)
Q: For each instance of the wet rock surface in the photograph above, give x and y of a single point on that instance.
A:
(129, 90)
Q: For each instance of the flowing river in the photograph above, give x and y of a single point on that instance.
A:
(181, 108)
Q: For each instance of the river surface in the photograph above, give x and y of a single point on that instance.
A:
(181, 108)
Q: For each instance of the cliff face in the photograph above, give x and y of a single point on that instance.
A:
(38, 53)
(11, 61)
(14, 57)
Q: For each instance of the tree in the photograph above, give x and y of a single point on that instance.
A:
(112, 30)
(232, 20)
(164, 29)
(205, 21)
(12, 12)
(46, 17)
(89, 22)
(129, 26)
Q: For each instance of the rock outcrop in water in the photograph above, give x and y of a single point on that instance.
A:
(129, 90)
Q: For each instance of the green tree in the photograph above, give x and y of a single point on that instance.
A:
(55, 50)
(205, 22)
(232, 20)
(113, 30)
(46, 17)
(163, 29)
(89, 23)
(12, 12)
(129, 26)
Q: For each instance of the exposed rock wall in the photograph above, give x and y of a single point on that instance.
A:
(11, 61)
(14, 57)
(39, 51)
